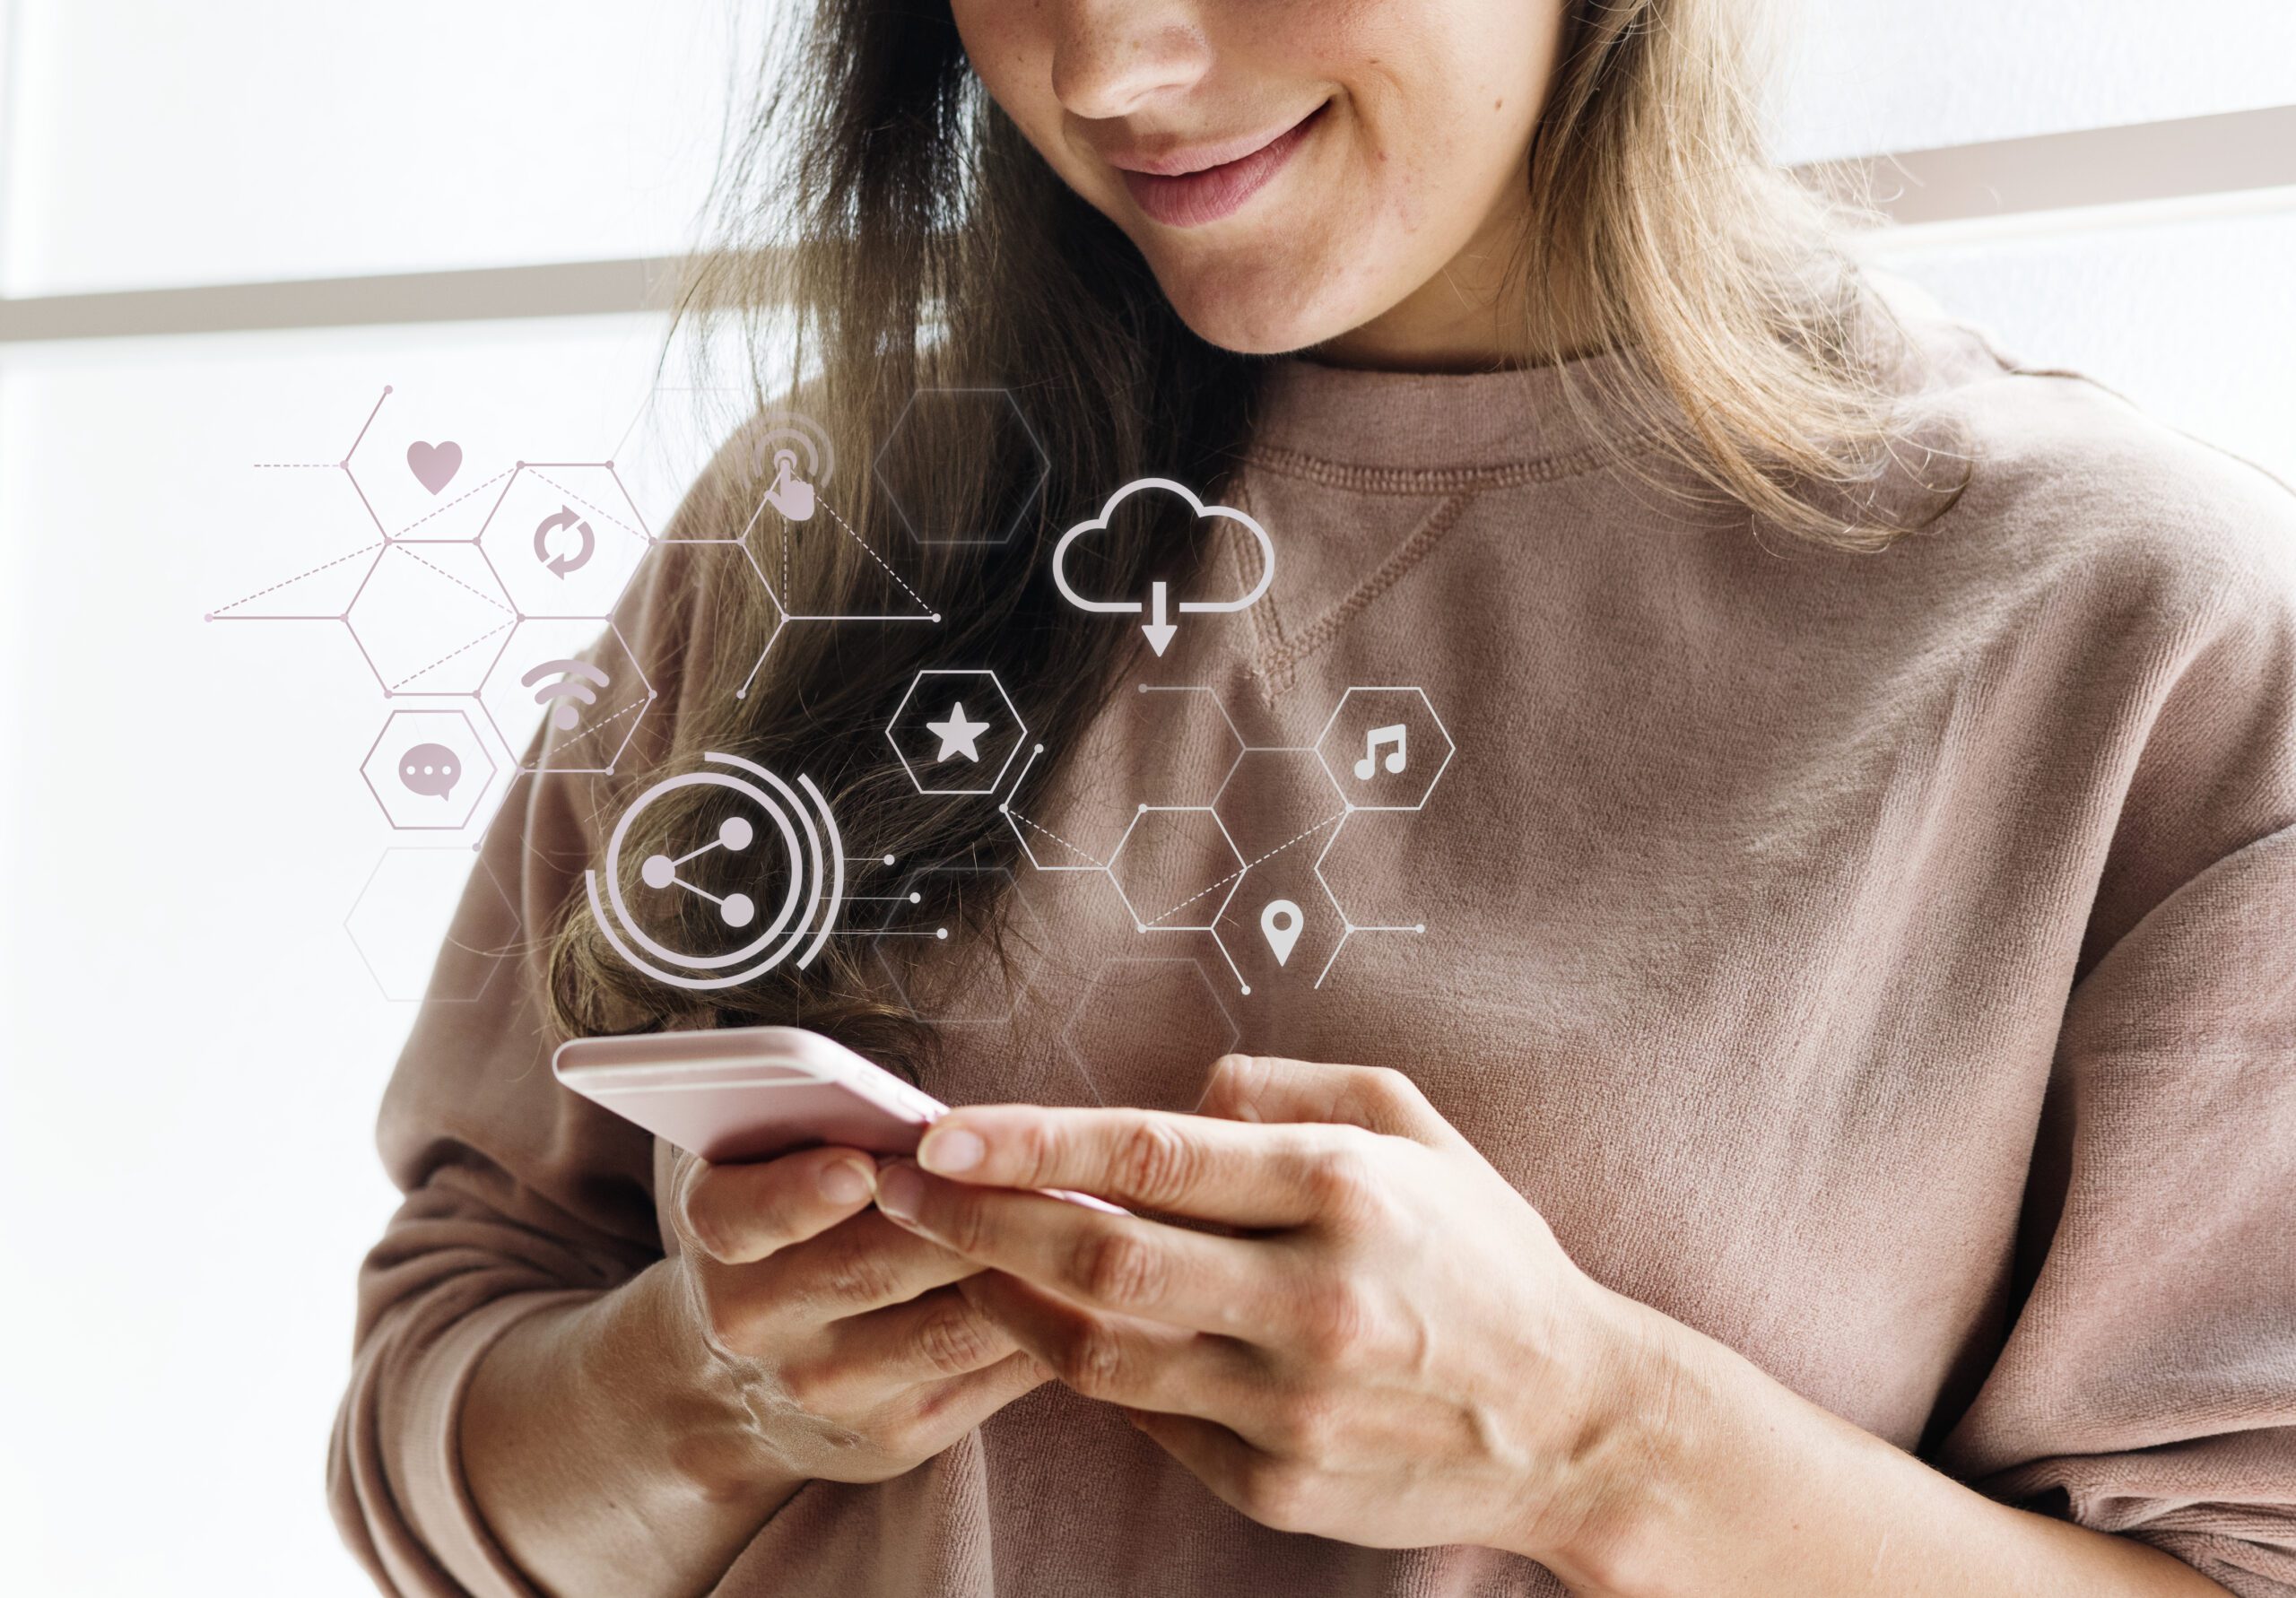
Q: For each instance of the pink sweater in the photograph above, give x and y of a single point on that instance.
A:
(1885, 964)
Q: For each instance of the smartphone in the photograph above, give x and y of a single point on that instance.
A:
(748, 1092)
(740, 1093)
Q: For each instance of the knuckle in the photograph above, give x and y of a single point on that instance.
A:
(859, 1275)
(961, 1221)
(1092, 1360)
(955, 1339)
(1035, 1150)
(1113, 1266)
(1336, 1327)
(1383, 1087)
(1341, 1178)
(1303, 1427)
(1153, 1161)
(1274, 1492)
(1230, 1088)
(702, 1220)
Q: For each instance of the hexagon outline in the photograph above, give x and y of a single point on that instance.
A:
(1306, 749)
(780, 611)
(902, 708)
(1028, 849)
(509, 606)
(1012, 898)
(476, 737)
(1036, 490)
(1083, 993)
(638, 527)
(924, 612)
(351, 472)
(1450, 744)
(631, 732)
(1234, 878)
(1349, 926)
(478, 868)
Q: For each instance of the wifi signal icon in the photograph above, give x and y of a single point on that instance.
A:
(570, 693)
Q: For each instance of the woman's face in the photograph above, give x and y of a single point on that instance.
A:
(1294, 170)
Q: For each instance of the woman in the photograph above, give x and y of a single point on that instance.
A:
(1837, 1132)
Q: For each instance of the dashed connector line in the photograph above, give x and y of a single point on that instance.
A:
(600, 725)
(880, 560)
(450, 653)
(458, 582)
(297, 465)
(592, 509)
(299, 577)
(477, 487)
(1049, 832)
(1241, 870)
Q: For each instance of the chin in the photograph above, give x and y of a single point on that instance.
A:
(1262, 308)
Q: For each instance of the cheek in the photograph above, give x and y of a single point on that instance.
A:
(1009, 48)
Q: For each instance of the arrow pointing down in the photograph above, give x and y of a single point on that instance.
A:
(1158, 630)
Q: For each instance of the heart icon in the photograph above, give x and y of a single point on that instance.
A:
(434, 465)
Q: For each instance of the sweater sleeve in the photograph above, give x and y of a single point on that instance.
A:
(518, 1193)
(2147, 1386)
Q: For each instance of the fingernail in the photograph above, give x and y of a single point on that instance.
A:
(951, 1152)
(900, 1190)
(847, 1182)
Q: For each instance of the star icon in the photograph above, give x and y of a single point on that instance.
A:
(957, 735)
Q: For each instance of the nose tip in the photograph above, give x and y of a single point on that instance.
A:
(1102, 74)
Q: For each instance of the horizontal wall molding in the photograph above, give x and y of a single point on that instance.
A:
(2177, 165)
(476, 294)
(2233, 153)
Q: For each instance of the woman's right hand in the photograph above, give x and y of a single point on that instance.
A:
(829, 1342)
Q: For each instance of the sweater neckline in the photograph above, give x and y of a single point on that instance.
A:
(1533, 416)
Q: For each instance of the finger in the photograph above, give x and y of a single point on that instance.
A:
(1266, 1089)
(740, 1213)
(937, 1335)
(1182, 1165)
(866, 1264)
(1118, 1359)
(946, 1411)
(1255, 1484)
(1111, 1261)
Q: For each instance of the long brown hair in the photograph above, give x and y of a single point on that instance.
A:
(884, 228)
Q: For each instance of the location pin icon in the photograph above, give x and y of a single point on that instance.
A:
(1279, 924)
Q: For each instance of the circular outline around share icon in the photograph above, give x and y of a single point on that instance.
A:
(816, 881)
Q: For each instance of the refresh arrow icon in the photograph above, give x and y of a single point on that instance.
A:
(564, 564)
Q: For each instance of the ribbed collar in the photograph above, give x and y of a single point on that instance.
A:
(1424, 422)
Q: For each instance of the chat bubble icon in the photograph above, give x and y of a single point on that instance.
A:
(429, 769)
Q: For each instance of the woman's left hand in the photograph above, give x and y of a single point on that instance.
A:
(1392, 1348)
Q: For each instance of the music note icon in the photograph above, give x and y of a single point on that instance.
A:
(1399, 736)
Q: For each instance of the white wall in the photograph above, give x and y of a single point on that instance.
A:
(190, 1048)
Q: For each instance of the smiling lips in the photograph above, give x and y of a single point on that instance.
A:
(1211, 189)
